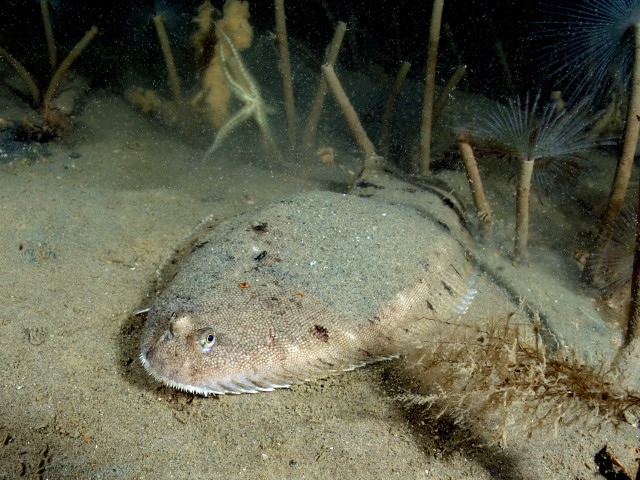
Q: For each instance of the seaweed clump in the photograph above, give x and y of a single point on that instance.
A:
(502, 379)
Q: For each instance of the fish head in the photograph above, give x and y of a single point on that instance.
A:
(243, 341)
(180, 351)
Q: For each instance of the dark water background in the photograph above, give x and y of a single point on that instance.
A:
(386, 33)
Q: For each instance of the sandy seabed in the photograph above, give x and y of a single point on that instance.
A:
(84, 230)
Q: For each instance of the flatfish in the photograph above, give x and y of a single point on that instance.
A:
(303, 288)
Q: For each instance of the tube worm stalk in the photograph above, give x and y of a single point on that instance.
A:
(357, 130)
(48, 33)
(285, 70)
(475, 182)
(174, 80)
(521, 253)
(625, 164)
(632, 331)
(23, 74)
(316, 108)
(446, 91)
(430, 86)
(66, 63)
(388, 108)
(628, 152)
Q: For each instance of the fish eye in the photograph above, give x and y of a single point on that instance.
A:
(207, 339)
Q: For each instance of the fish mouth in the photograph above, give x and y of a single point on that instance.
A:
(229, 385)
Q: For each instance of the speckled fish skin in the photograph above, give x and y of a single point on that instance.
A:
(298, 290)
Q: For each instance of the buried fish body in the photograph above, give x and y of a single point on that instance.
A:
(306, 287)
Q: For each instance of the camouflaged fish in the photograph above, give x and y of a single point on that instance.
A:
(313, 285)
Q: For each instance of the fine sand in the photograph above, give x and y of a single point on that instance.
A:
(84, 230)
